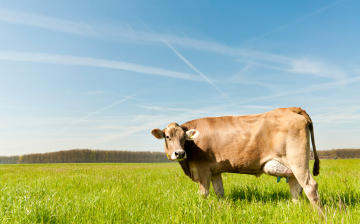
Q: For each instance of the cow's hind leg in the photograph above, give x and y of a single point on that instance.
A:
(298, 150)
(308, 183)
(295, 188)
(218, 185)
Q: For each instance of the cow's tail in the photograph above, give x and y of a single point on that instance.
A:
(316, 168)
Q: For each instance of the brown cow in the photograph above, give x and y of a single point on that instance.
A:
(276, 143)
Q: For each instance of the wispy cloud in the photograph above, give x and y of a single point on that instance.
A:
(135, 98)
(94, 92)
(299, 65)
(148, 122)
(86, 61)
(108, 127)
(239, 77)
(99, 92)
(129, 131)
(93, 113)
(177, 115)
(174, 110)
(299, 19)
(190, 65)
(155, 121)
(46, 22)
(338, 118)
(313, 67)
(348, 109)
(221, 110)
(44, 109)
(347, 115)
(309, 89)
(197, 71)
(38, 144)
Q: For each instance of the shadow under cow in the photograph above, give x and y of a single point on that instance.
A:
(252, 194)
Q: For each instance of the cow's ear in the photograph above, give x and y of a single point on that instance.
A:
(157, 133)
(191, 134)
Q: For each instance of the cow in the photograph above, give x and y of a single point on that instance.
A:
(276, 143)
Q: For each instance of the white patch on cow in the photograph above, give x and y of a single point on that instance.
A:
(173, 156)
(275, 168)
(191, 134)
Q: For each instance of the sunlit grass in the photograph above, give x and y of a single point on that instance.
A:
(161, 193)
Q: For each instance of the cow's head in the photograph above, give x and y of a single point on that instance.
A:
(175, 138)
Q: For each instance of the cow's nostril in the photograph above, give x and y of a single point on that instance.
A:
(176, 154)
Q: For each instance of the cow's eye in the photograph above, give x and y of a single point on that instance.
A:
(168, 137)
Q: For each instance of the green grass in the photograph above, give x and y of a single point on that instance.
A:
(161, 193)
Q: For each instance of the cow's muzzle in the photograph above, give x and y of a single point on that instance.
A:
(178, 155)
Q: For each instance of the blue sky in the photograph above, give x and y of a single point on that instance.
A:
(102, 74)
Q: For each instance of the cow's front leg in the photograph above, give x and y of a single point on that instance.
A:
(218, 185)
(204, 184)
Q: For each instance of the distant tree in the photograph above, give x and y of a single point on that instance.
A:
(340, 153)
(8, 159)
(93, 156)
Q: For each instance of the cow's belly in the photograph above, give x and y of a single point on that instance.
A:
(272, 167)
(233, 165)
(235, 161)
(250, 157)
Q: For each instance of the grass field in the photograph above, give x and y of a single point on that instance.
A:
(161, 193)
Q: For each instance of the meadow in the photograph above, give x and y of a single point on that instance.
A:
(161, 193)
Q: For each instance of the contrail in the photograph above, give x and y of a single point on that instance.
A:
(299, 19)
(188, 63)
(86, 61)
(36, 20)
(197, 71)
(83, 118)
(309, 89)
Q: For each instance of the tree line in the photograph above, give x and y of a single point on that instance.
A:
(87, 156)
(340, 153)
(104, 156)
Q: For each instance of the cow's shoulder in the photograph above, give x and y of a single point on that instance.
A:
(193, 124)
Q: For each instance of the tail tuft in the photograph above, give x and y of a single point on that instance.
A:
(316, 168)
